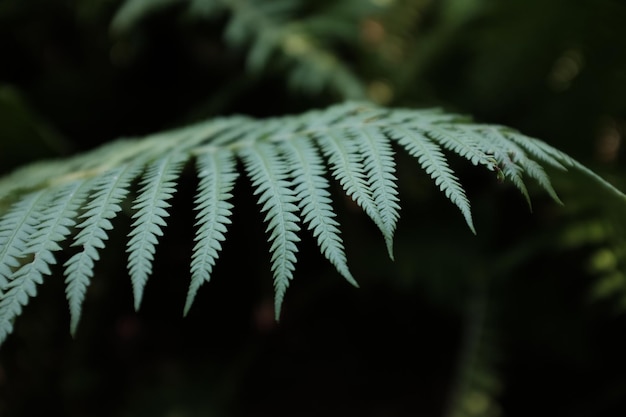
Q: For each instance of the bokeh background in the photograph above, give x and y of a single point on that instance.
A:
(526, 318)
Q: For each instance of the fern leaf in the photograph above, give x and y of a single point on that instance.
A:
(343, 155)
(548, 151)
(508, 156)
(217, 173)
(433, 161)
(530, 167)
(109, 189)
(15, 229)
(57, 216)
(16, 295)
(534, 147)
(16, 226)
(158, 186)
(464, 142)
(514, 173)
(284, 158)
(515, 163)
(270, 178)
(311, 189)
(536, 171)
(380, 171)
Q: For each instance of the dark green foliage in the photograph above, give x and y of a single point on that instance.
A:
(271, 208)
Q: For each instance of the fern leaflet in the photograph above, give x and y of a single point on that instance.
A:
(459, 140)
(518, 156)
(57, 217)
(433, 161)
(16, 226)
(270, 178)
(379, 168)
(109, 190)
(151, 204)
(311, 188)
(534, 148)
(346, 163)
(216, 169)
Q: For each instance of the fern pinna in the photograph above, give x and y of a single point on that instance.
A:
(285, 159)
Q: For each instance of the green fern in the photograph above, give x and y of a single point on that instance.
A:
(54, 213)
(16, 226)
(311, 189)
(158, 187)
(433, 161)
(285, 159)
(217, 172)
(110, 189)
(269, 174)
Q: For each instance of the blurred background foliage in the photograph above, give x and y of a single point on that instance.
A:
(527, 318)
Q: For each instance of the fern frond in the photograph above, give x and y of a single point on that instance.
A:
(462, 141)
(532, 168)
(433, 161)
(109, 190)
(158, 186)
(217, 172)
(269, 175)
(57, 216)
(508, 162)
(509, 151)
(16, 227)
(535, 148)
(311, 189)
(536, 171)
(286, 160)
(379, 168)
(346, 163)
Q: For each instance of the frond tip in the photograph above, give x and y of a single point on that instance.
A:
(51, 206)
